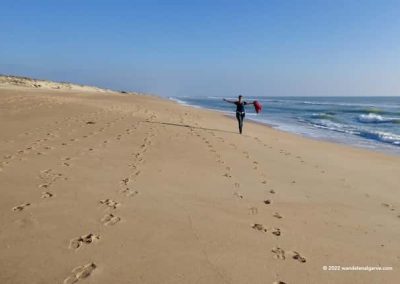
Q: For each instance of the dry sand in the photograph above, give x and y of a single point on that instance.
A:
(101, 187)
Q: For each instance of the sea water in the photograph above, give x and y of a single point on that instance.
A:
(369, 122)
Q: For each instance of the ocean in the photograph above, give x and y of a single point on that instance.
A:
(368, 122)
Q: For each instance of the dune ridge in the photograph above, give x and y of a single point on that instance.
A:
(7, 81)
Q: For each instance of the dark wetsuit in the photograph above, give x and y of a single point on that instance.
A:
(240, 113)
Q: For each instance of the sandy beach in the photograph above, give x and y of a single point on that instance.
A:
(105, 187)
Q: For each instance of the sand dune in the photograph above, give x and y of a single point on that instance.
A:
(100, 187)
(10, 82)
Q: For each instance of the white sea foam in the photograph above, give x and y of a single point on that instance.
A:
(382, 136)
(333, 126)
(178, 101)
(322, 115)
(376, 118)
(181, 102)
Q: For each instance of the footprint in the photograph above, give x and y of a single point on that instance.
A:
(125, 181)
(278, 253)
(238, 195)
(80, 272)
(259, 227)
(298, 257)
(46, 194)
(267, 201)
(130, 192)
(272, 191)
(277, 215)
(276, 231)
(279, 282)
(387, 205)
(110, 219)
(110, 203)
(227, 175)
(21, 207)
(253, 210)
(86, 239)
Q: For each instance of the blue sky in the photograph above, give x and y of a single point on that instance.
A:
(216, 48)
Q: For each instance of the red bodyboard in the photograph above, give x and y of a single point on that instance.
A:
(257, 106)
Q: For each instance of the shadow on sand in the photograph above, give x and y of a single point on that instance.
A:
(191, 126)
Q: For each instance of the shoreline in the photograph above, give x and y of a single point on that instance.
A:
(390, 152)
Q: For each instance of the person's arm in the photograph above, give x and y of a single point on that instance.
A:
(228, 101)
(247, 103)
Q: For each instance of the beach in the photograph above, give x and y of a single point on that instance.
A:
(108, 187)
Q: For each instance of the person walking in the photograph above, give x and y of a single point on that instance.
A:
(240, 110)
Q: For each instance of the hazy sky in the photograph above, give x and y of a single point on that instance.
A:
(177, 48)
